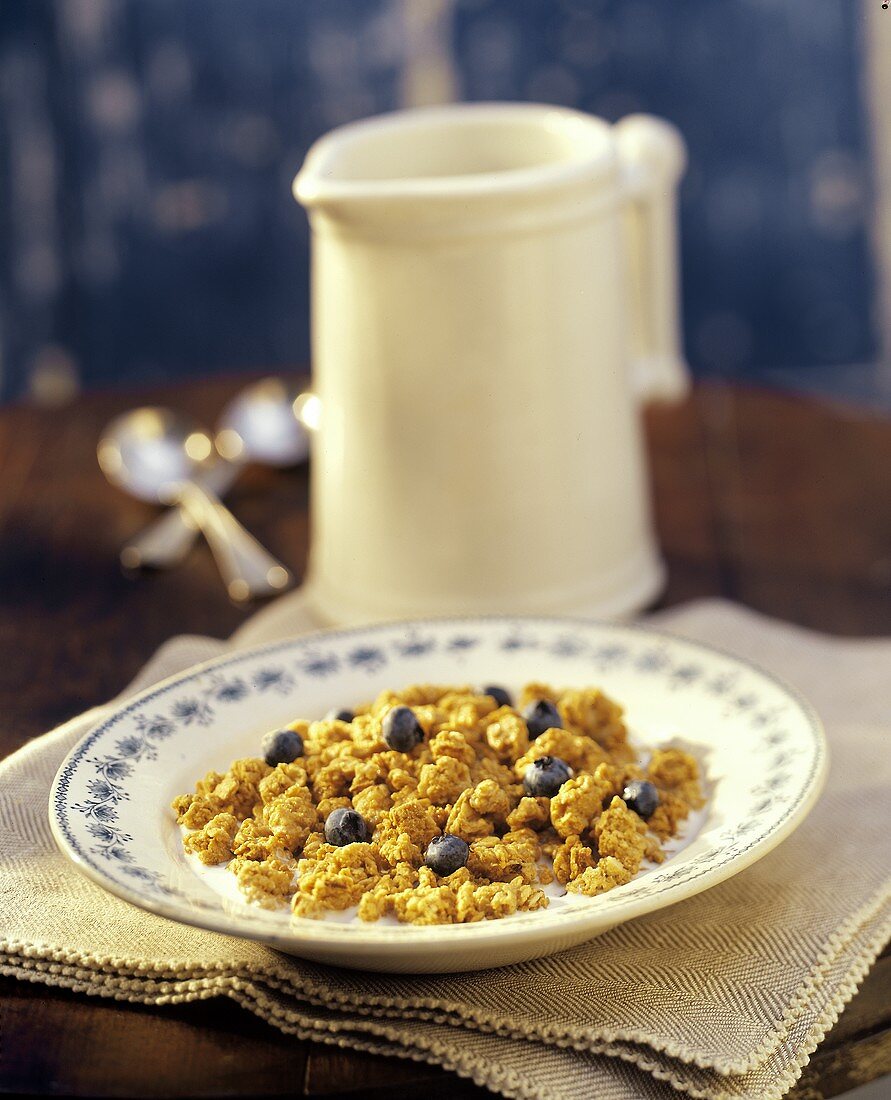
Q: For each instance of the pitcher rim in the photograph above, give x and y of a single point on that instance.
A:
(597, 159)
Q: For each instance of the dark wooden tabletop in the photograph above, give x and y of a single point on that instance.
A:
(780, 502)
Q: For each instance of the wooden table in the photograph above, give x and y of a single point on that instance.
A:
(780, 502)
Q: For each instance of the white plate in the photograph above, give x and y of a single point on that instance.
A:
(761, 747)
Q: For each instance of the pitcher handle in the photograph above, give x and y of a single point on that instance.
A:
(653, 157)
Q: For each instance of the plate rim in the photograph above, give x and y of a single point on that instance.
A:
(412, 939)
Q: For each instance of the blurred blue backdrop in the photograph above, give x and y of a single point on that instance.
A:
(147, 151)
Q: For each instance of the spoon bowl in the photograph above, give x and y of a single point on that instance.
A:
(262, 424)
(149, 452)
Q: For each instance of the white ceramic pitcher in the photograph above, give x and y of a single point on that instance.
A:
(494, 287)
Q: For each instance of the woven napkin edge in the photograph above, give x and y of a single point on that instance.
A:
(161, 987)
(314, 1031)
(391, 1040)
(495, 1077)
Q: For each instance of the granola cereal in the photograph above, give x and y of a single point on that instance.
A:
(467, 819)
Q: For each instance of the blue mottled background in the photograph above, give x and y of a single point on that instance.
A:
(147, 149)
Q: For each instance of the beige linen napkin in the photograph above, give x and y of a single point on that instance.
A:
(722, 996)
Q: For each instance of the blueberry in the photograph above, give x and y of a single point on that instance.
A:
(281, 747)
(545, 776)
(540, 716)
(445, 854)
(339, 715)
(501, 697)
(344, 826)
(642, 797)
(402, 731)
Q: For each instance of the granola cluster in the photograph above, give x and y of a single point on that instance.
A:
(466, 778)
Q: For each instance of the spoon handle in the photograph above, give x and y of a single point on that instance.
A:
(165, 542)
(247, 568)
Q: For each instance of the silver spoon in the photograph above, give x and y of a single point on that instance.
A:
(165, 457)
(267, 423)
